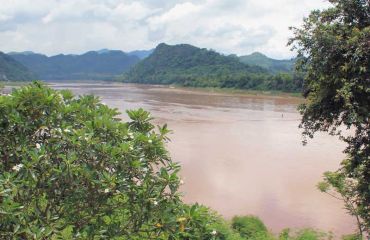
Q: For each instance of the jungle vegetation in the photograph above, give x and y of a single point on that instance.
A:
(187, 65)
(334, 52)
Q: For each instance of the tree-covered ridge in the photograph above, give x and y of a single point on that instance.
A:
(104, 65)
(187, 65)
(185, 58)
(11, 70)
(273, 65)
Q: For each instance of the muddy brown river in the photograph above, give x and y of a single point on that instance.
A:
(240, 154)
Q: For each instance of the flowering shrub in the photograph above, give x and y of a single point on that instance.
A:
(70, 169)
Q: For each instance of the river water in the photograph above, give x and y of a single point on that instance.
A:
(240, 154)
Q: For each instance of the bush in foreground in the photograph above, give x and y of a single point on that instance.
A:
(70, 169)
(250, 227)
(304, 234)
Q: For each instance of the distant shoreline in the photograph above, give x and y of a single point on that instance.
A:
(208, 90)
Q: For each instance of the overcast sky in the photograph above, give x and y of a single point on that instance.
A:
(77, 26)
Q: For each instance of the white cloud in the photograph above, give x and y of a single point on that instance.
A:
(75, 26)
(132, 11)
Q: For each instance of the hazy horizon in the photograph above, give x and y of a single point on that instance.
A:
(238, 27)
(127, 52)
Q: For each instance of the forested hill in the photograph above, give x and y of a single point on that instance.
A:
(93, 65)
(273, 65)
(11, 70)
(187, 65)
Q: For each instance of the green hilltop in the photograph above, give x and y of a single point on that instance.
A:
(273, 65)
(11, 70)
(187, 65)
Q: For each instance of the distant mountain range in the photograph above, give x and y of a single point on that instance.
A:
(93, 65)
(181, 64)
(11, 70)
(138, 53)
(273, 65)
(141, 53)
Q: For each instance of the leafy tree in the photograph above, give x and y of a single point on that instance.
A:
(250, 227)
(338, 186)
(333, 47)
(70, 169)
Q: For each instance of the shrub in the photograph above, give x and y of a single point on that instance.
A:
(304, 234)
(249, 227)
(70, 167)
(352, 237)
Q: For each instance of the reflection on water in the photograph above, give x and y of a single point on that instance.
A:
(240, 154)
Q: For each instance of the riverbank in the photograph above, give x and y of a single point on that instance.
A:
(207, 90)
(239, 92)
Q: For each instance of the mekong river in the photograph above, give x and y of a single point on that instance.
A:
(240, 154)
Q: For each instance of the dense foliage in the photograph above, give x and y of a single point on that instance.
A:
(250, 227)
(187, 65)
(69, 168)
(338, 186)
(11, 70)
(103, 65)
(307, 234)
(273, 65)
(334, 46)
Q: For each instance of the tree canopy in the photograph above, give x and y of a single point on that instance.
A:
(334, 47)
(70, 169)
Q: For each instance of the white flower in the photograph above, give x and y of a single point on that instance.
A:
(150, 141)
(131, 148)
(106, 190)
(214, 232)
(38, 146)
(110, 170)
(17, 167)
(155, 203)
